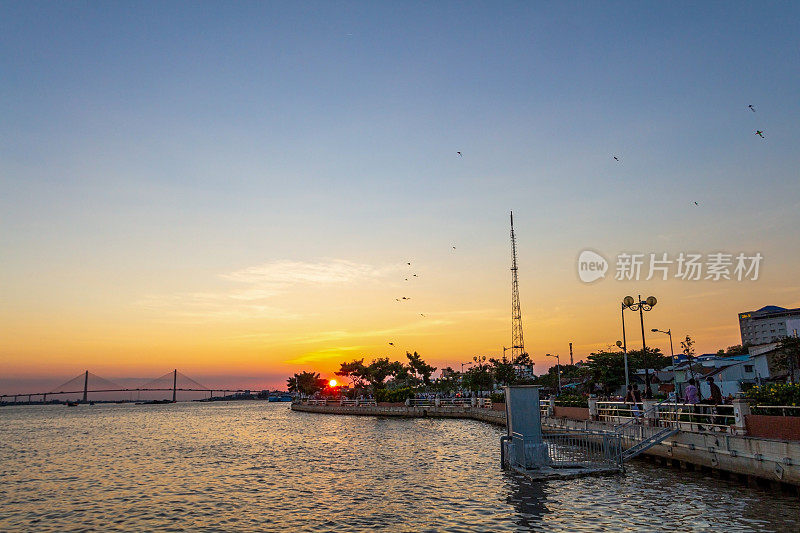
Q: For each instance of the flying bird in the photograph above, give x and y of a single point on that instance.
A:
(421, 314)
(760, 133)
(409, 264)
(615, 158)
(416, 276)
(404, 298)
(406, 279)
(460, 154)
(391, 344)
(696, 203)
(454, 247)
(753, 109)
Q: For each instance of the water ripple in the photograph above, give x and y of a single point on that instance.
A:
(255, 466)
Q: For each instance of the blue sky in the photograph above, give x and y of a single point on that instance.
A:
(152, 147)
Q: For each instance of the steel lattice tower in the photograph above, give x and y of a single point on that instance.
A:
(517, 344)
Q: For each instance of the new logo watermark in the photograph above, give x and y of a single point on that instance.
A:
(717, 266)
(591, 266)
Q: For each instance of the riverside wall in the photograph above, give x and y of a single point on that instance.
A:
(755, 460)
(491, 416)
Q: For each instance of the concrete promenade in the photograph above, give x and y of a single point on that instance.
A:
(755, 460)
(476, 413)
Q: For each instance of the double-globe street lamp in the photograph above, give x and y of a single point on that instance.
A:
(641, 305)
(672, 355)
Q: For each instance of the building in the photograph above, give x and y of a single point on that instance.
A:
(768, 324)
(732, 374)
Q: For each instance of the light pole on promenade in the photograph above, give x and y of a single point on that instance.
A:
(672, 355)
(642, 305)
(558, 369)
(621, 344)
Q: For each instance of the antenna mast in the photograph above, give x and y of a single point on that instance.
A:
(517, 344)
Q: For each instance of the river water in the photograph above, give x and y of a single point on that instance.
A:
(256, 466)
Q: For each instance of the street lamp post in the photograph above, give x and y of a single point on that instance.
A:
(642, 305)
(558, 369)
(672, 355)
(624, 345)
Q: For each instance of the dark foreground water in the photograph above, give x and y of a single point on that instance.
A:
(255, 466)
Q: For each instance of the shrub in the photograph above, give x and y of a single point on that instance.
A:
(498, 397)
(571, 400)
(775, 394)
(394, 396)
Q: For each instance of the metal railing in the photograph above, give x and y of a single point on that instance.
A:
(682, 416)
(449, 402)
(358, 403)
(617, 412)
(317, 402)
(582, 450)
(697, 417)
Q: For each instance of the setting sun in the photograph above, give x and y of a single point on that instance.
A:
(332, 383)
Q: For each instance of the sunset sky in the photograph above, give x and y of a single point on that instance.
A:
(235, 189)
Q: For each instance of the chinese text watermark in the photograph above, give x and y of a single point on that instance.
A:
(684, 266)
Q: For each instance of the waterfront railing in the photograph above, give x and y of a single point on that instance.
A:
(449, 402)
(683, 416)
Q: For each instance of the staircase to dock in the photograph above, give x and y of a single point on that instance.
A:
(632, 431)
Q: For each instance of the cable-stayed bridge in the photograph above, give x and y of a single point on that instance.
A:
(88, 383)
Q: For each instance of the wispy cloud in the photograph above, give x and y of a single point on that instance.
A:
(193, 307)
(257, 284)
(277, 275)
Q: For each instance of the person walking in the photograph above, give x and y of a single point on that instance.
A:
(690, 394)
(637, 399)
(715, 400)
(692, 397)
(630, 400)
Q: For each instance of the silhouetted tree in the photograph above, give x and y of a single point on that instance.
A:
(306, 383)
(418, 366)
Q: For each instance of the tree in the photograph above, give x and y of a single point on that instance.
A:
(607, 368)
(648, 358)
(291, 384)
(356, 371)
(687, 347)
(503, 370)
(738, 349)
(380, 369)
(450, 380)
(479, 377)
(418, 366)
(549, 380)
(306, 383)
(788, 353)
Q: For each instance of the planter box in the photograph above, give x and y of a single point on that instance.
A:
(573, 413)
(773, 427)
